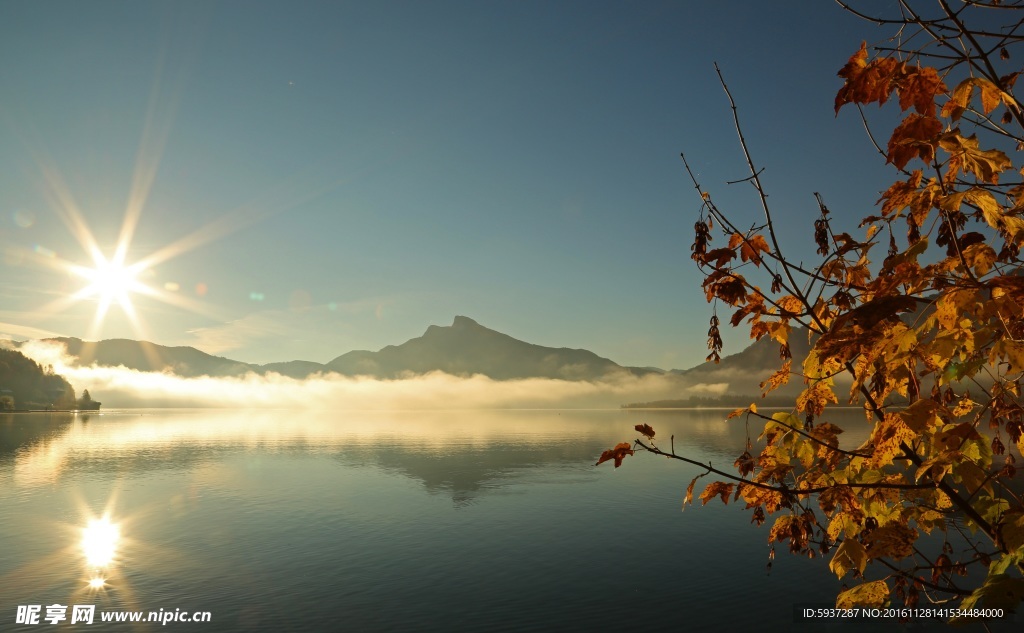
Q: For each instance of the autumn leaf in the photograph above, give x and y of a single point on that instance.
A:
(752, 249)
(866, 82)
(1011, 530)
(890, 541)
(849, 555)
(842, 524)
(965, 154)
(919, 90)
(980, 257)
(916, 136)
(716, 489)
(688, 500)
(777, 379)
(869, 594)
(618, 454)
(951, 307)
(888, 437)
(645, 429)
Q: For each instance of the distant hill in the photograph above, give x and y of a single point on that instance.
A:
(465, 348)
(31, 386)
(293, 368)
(146, 356)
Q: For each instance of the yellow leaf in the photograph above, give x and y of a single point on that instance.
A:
(965, 406)
(1010, 351)
(842, 525)
(957, 103)
(888, 437)
(869, 594)
(981, 257)
(973, 477)
(990, 94)
(965, 154)
(951, 306)
(805, 452)
(776, 380)
(1011, 530)
(928, 520)
(716, 489)
(891, 541)
(850, 555)
(921, 414)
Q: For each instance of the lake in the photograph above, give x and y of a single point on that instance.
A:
(392, 521)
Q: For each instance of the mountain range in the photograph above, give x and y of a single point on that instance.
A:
(463, 348)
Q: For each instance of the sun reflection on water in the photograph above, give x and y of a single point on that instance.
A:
(99, 542)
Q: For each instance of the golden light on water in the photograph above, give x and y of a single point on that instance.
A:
(99, 542)
(97, 583)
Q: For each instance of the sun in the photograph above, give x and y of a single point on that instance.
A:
(111, 280)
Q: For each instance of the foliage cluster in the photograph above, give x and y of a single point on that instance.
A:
(931, 337)
(32, 386)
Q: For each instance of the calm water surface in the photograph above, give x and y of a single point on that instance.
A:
(370, 521)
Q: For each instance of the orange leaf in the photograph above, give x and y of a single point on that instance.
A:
(777, 379)
(645, 429)
(867, 82)
(916, 136)
(618, 454)
(920, 89)
(752, 249)
(716, 489)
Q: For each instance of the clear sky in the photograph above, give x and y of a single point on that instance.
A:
(340, 175)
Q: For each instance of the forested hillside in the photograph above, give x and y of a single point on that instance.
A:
(26, 385)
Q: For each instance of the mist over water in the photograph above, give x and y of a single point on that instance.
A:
(123, 387)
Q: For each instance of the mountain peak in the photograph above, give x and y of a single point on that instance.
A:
(462, 321)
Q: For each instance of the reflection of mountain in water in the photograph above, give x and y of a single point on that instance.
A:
(466, 472)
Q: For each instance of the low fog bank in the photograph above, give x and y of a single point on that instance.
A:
(119, 387)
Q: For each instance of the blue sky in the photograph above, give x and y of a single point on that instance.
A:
(358, 171)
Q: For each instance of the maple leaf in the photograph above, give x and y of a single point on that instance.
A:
(986, 165)
(1011, 530)
(916, 136)
(901, 194)
(981, 257)
(756, 496)
(869, 594)
(721, 256)
(891, 541)
(752, 249)
(867, 82)
(645, 429)
(919, 90)
(617, 454)
(777, 379)
(850, 555)
(842, 525)
(716, 489)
